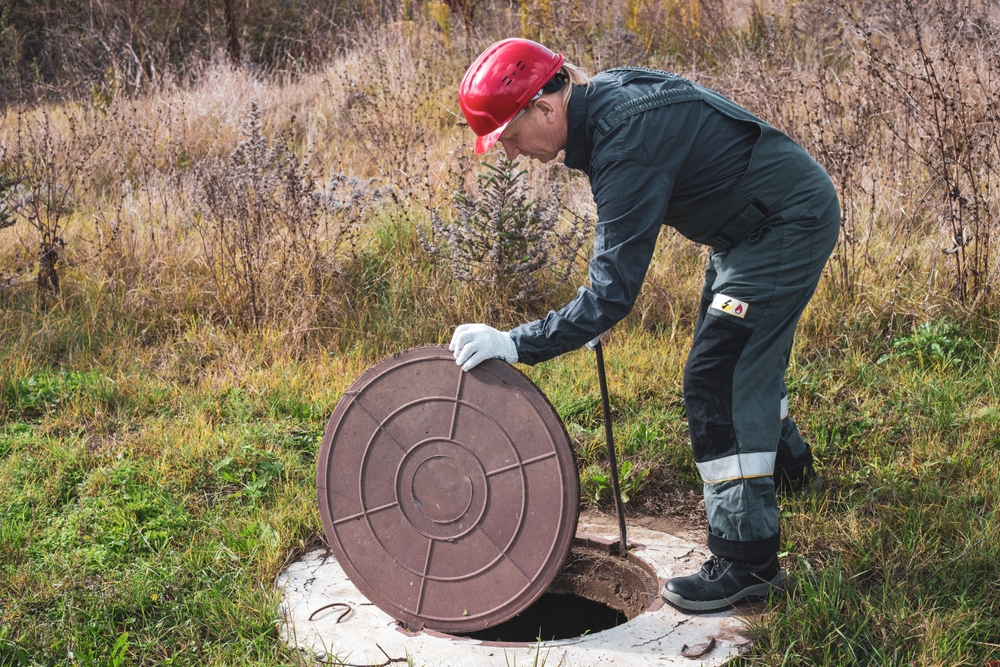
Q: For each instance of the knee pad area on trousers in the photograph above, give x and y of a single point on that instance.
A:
(708, 387)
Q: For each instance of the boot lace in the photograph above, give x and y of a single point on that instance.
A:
(713, 566)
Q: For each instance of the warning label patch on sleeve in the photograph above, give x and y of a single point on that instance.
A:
(728, 304)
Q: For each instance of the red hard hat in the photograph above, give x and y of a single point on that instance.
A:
(502, 82)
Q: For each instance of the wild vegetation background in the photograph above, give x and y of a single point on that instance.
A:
(214, 215)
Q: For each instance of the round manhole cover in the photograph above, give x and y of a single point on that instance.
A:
(449, 498)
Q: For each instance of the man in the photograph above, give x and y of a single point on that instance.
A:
(661, 150)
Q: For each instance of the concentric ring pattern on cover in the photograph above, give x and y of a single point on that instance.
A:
(449, 498)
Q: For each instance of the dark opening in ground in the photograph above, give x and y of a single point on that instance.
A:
(553, 616)
(594, 591)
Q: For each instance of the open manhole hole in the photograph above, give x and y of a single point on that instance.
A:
(595, 590)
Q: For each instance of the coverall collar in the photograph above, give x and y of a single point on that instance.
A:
(577, 138)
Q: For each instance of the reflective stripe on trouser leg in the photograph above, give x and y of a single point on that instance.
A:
(736, 366)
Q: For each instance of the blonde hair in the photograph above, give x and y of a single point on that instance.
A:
(575, 75)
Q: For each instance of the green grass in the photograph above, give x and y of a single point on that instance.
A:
(165, 523)
(149, 494)
(896, 561)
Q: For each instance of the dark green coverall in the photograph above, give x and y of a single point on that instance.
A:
(661, 150)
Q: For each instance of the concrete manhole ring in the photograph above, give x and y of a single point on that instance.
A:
(654, 636)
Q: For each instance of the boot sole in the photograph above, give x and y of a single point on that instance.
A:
(755, 591)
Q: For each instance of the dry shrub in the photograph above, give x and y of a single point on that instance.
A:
(935, 70)
(7, 192)
(661, 22)
(49, 161)
(205, 119)
(269, 235)
(132, 217)
(398, 95)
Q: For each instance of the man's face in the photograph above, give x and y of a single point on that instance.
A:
(538, 133)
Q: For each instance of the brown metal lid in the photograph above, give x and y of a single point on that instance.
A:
(449, 498)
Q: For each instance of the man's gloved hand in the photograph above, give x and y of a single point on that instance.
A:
(592, 345)
(475, 343)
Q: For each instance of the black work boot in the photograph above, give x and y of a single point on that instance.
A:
(797, 475)
(722, 583)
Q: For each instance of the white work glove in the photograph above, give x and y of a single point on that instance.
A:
(592, 345)
(475, 343)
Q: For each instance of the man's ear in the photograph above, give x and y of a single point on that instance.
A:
(548, 108)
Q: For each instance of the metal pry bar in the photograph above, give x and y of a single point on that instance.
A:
(609, 436)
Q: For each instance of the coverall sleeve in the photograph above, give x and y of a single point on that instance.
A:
(632, 200)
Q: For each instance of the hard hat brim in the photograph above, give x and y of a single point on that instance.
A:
(488, 141)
